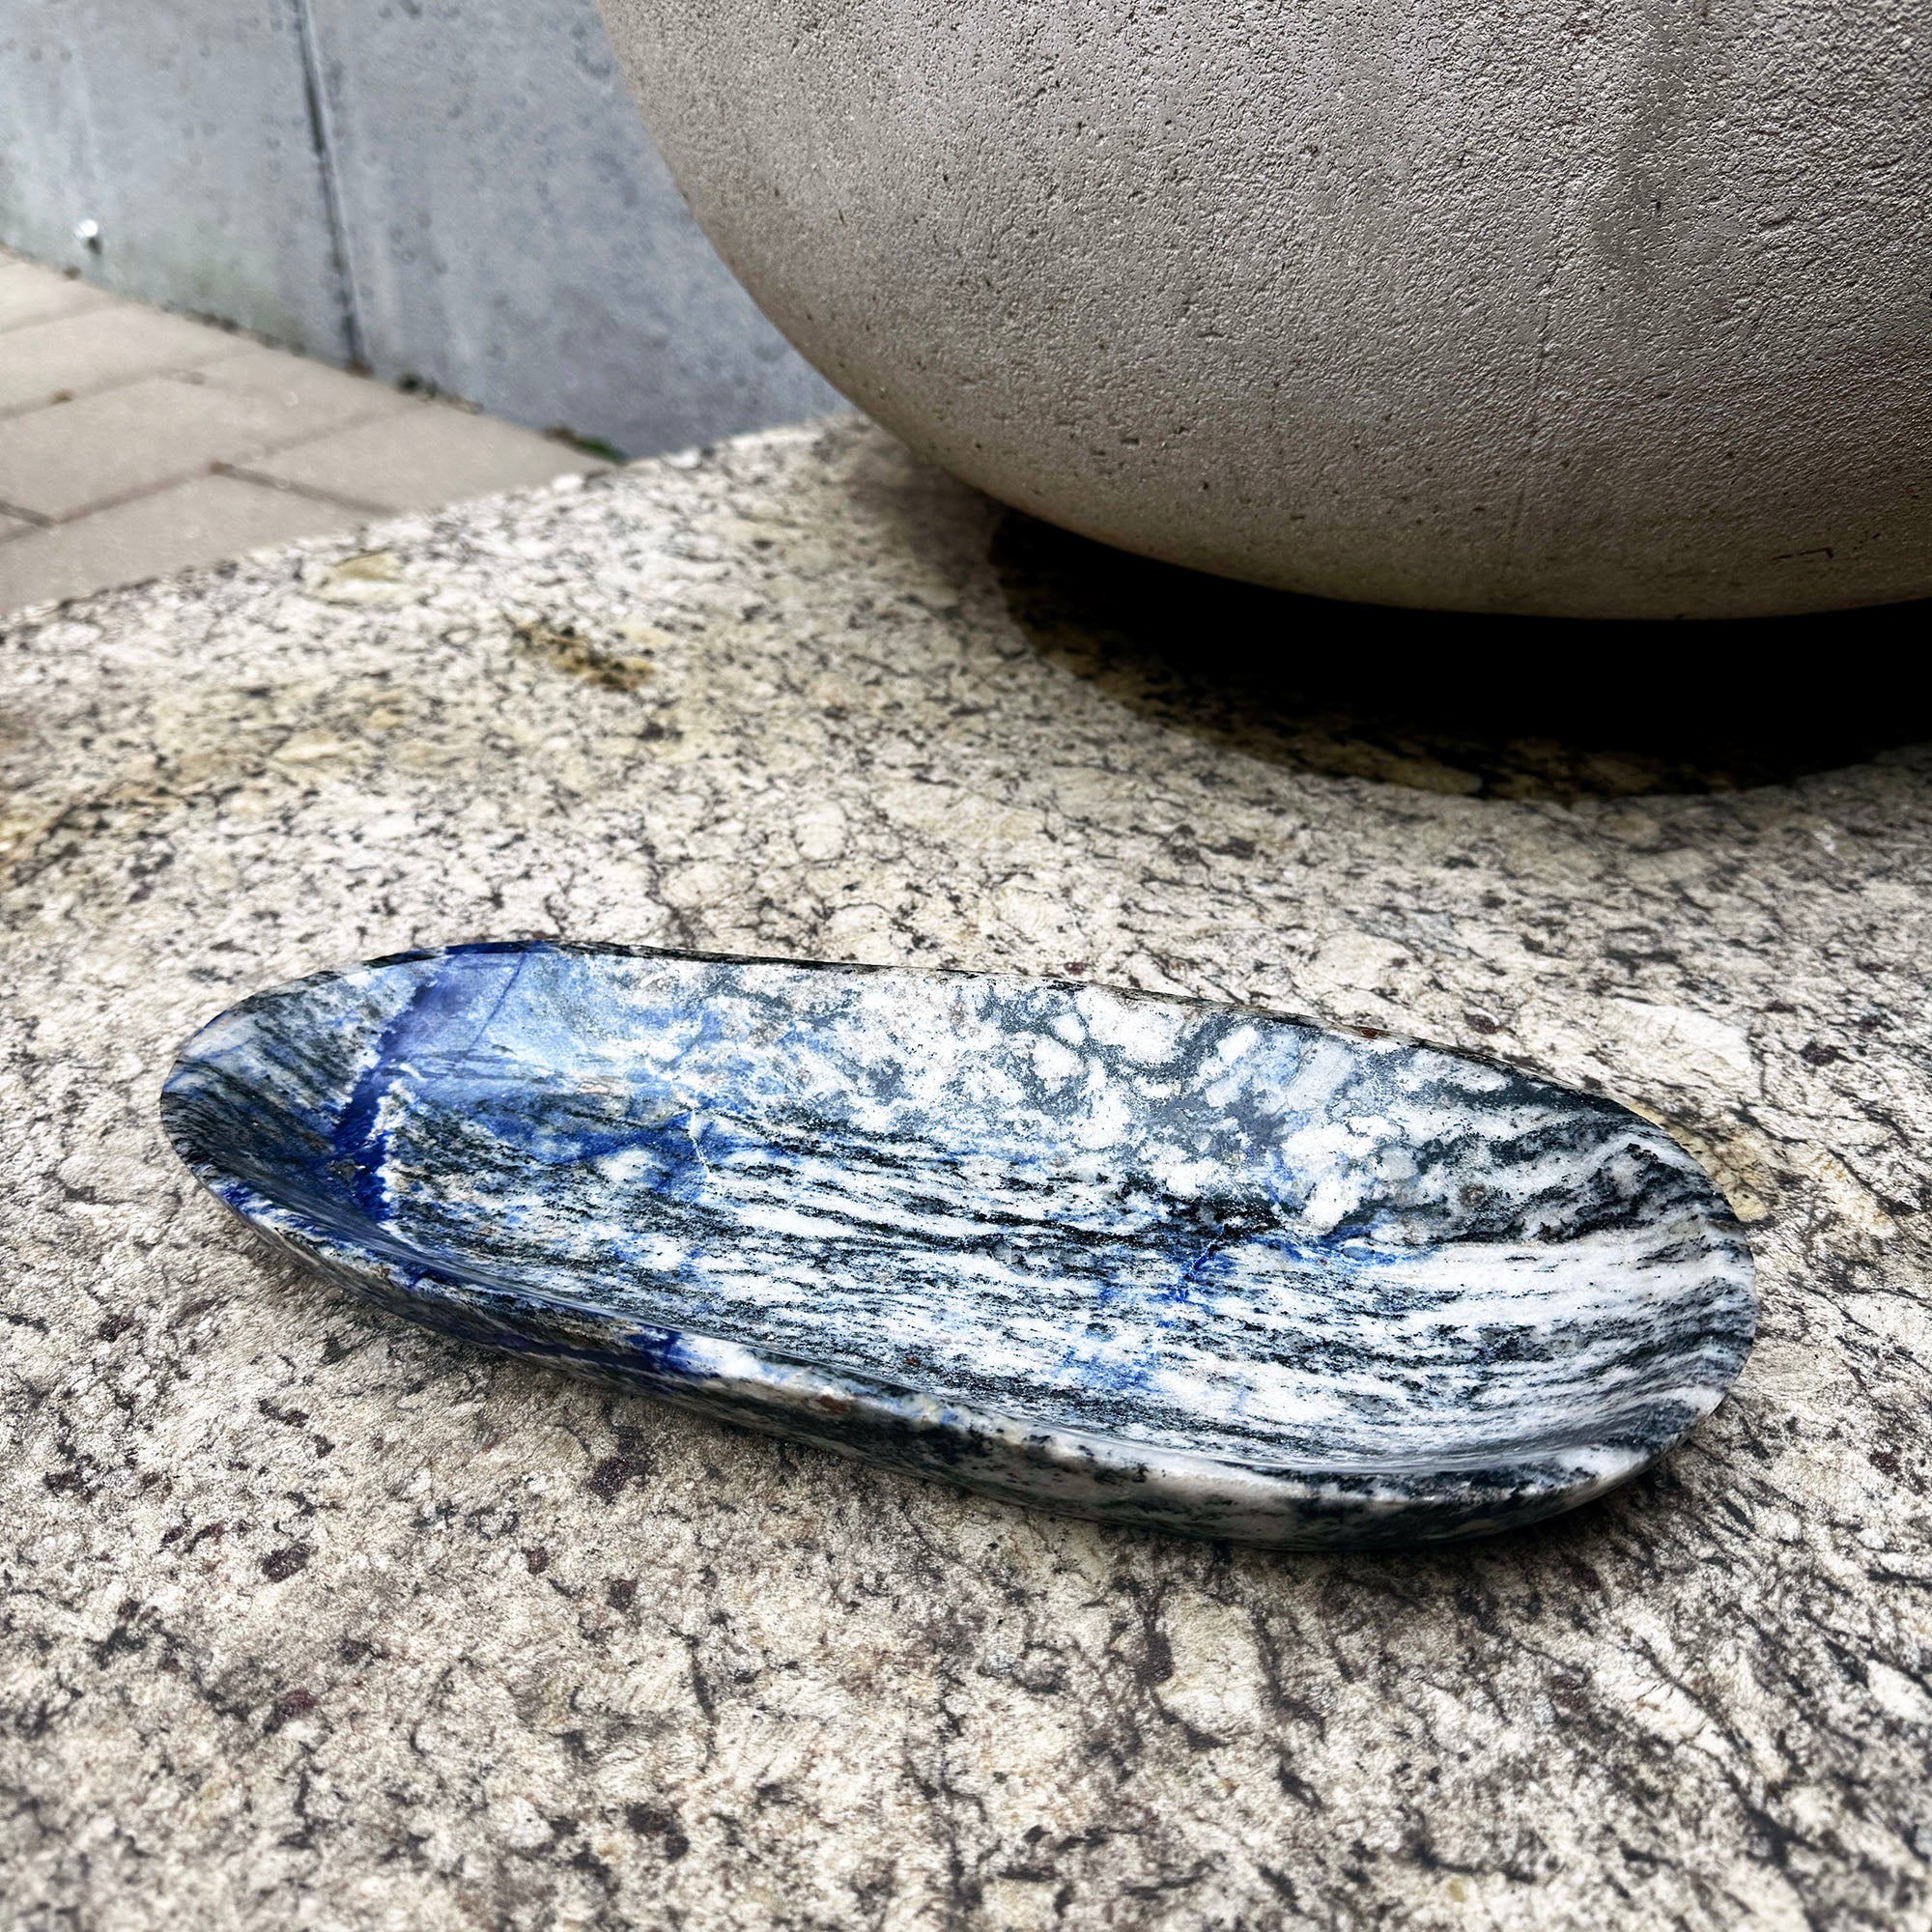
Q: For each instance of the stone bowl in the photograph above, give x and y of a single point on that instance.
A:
(1173, 1266)
(1574, 310)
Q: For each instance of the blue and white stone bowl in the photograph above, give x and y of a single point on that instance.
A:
(1196, 1267)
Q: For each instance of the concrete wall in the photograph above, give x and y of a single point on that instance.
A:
(458, 191)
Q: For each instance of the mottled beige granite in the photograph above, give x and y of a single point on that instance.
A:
(311, 1619)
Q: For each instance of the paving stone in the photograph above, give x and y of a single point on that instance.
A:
(85, 351)
(312, 392)
(435, 454)
(123, 468)
(30, 292)
(59, 460)
(198, 522)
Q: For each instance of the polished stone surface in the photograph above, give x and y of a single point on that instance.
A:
(311, 1617)
(1145, 1260)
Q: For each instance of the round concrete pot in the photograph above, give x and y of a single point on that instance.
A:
(1486, 305)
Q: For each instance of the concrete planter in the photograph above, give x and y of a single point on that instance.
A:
(1611, 311)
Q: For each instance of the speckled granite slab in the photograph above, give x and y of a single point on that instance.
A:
(312, 1618)
(1187, 1266)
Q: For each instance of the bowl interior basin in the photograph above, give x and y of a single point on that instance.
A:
(1198, 1228)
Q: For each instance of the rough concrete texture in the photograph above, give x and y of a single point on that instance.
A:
(1487, 305)
(313, 1619)
(456, 193)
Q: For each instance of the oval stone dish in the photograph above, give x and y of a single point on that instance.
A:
(1196, 1267)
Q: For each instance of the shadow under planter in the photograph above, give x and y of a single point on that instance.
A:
(1484, 706)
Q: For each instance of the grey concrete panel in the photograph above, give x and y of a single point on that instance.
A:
(513, 238)
(185, 131)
